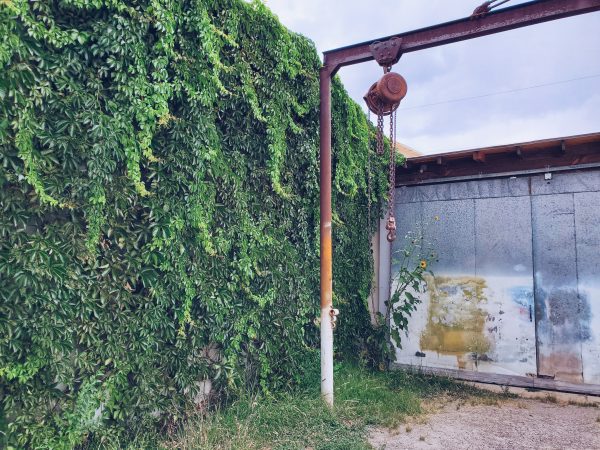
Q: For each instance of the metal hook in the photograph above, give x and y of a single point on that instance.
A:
(391, 227)
(486, 8)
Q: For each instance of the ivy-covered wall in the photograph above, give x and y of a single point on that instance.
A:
(159, 211)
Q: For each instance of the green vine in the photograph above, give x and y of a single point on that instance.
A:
(160, 225)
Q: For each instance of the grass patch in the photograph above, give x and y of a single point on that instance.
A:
(300, 420)
(549, 398)
(584, 404)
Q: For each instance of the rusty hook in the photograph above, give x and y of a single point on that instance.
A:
(486, 7)
(391, 227)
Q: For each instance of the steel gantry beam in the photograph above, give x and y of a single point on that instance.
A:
(505, 19)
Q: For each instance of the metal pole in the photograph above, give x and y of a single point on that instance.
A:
(326, 250)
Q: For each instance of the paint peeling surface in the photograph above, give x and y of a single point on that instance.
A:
(590, 348)
(587, 230)
(562, 314)
(516, 290)
(473, 323)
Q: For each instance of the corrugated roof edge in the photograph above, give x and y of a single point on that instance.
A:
(583, 149)
(509, 148)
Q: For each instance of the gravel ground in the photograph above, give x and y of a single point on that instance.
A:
(511, 424)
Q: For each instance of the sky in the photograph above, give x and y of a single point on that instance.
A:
(542, 54)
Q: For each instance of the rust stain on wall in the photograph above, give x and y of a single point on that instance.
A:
(565, 365)
(456, 317)
(564, 317)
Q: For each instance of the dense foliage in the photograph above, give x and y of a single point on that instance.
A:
(159, 198)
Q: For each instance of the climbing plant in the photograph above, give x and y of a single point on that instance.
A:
(411, 272)
(159, 225)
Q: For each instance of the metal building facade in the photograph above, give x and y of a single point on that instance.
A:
(515, 296)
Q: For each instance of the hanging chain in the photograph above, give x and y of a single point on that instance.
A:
(369, 184)
(391, 224)
(380, 131)
(394, 142)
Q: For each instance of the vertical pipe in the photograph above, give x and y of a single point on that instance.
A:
(385, 264)
(326, 251)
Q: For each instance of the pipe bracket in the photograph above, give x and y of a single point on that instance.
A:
(333, 313)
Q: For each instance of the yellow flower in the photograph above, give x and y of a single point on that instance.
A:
(423, 264)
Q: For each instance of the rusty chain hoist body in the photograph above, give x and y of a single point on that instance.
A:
(383, 99)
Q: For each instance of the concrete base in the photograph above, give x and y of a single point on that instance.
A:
(565, 398)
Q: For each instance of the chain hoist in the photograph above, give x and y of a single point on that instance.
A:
(383, 99)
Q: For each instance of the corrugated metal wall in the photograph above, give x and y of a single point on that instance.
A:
(517, 285)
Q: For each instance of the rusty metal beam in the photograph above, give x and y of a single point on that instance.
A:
(505, 19)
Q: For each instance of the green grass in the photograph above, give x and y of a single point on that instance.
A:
(300, 420)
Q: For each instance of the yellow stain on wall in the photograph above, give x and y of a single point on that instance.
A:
(456, 317)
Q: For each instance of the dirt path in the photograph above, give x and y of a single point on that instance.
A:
(512, 424)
